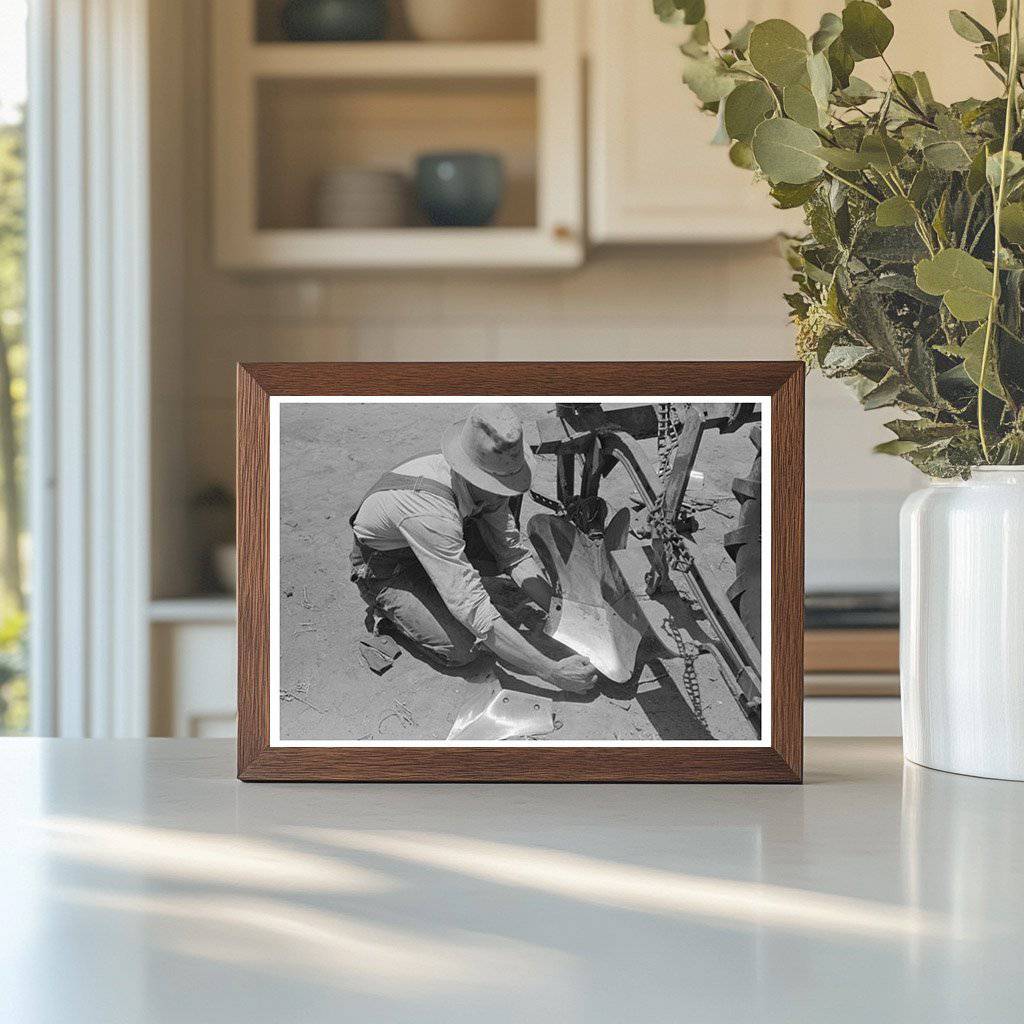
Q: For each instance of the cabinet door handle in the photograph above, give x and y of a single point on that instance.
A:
(562, 232)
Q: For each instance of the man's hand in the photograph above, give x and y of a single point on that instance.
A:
(574, 674)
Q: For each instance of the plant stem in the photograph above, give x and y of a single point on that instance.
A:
(1011, 108)
(910, 102)
(853, 185)
(923, 231)
(980, 232)
(775, 98)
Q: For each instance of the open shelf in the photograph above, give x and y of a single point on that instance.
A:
(520, 23)
(390, 60)
(286, 114)
(204, 608)
(410, 248)
(308, 127)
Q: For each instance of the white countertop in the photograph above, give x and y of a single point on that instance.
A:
(140, 882)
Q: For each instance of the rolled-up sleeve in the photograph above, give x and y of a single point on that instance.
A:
(511, 552)
(438, 543)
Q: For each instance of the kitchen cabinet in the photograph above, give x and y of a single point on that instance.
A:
(653, 175)
(287, 114)
(192, 647)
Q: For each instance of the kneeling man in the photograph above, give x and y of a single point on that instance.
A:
(410, 556)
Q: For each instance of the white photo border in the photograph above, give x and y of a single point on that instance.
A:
(276, 401)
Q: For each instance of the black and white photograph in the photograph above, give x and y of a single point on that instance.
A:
(501, 571)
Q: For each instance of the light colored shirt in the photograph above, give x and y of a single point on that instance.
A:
(432, 526)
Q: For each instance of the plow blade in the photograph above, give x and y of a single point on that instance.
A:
(595, 613)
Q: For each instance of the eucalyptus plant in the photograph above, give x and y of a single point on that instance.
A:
(910, 278)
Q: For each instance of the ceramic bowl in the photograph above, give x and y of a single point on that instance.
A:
(332, 21)
(460, 189)
(470, 20)
(359, 197)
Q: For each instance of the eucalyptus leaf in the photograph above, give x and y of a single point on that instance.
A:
(666, 10)
(857, 91)
(895, 447)
(819, 75)
(889, 246)
(843, 358)
(788, 196)
(741, 155)
(947, 156)
(895, 212)
(721, 136)
(921, 370)
(939, 220)
(922, 185)
(844, 159)
(993, 167)
(708, 80)
(969, 28)
(829, 30)
(972, 351)
(801, 106)
(924, 87)
(963, 281)
(779, 51)
(693, 10)
(905, 84)
(883, 152)
(690, 12)
(922, 430)
(745, 108)
(1012, 223)
(868, 320)
(866, 29)
(841, 62)
(787, 152)
(885, 394)
(976, 176)
(739, 41)
(701, 33)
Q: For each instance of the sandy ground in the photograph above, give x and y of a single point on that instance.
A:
(330, 455)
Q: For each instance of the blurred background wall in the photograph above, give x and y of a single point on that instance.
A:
(693, 298)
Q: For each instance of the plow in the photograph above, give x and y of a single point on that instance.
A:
(582, 542)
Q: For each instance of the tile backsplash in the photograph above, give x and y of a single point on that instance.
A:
(719, 302)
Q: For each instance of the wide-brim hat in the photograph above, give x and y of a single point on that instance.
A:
(487, 449)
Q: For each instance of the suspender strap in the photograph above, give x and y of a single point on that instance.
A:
(401, 482)
(369, 564)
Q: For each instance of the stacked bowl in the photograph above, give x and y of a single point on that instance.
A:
(362, 197)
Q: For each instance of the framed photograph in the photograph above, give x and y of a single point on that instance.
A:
(520, 571)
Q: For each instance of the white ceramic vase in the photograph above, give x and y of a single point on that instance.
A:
(962, 624)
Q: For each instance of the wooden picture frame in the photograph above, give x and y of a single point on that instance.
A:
(778, 758)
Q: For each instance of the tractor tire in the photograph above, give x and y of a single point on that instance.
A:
(744, 546)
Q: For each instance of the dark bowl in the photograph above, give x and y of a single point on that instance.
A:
(460, 189)
(334, 21)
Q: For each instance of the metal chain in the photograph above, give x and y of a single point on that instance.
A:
(688, 651)
(658, 520)
(668, 438)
